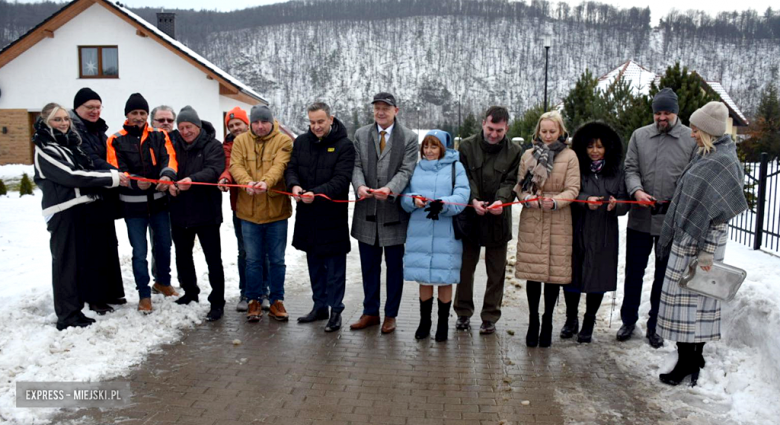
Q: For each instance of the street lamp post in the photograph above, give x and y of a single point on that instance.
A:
(418, 121)
(458, 115)
(547, 39)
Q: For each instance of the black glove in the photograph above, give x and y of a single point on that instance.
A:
(660, 207)
(434, 208)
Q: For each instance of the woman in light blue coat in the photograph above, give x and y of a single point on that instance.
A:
(438, 191)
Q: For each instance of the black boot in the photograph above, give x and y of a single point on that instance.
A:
(700, 354)
(334, 323)
(532, 336)
(572, 324)
(533, 291)
(687, 364)
(186, 299)
(425, 319)
(442, 324)
(545, 336)
(586, 333)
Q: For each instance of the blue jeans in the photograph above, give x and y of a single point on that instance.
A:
(261, 240)
(242, 260)
(160, 224)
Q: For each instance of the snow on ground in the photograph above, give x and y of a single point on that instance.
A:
(741, 381)
(31, 348)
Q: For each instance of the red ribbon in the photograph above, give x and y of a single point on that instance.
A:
(322, 195)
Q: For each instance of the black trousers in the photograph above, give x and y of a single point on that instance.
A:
(101, 279)
(328, 277)
(184, 241)
(639, 245)
(68, 254)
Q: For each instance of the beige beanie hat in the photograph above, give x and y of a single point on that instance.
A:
(711, 118)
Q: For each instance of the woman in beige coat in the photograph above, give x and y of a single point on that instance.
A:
(550, 171)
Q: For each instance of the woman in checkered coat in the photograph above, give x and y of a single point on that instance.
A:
(707, 196)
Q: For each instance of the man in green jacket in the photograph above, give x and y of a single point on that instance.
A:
(491, 163)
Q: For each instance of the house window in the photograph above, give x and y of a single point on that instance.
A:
(98, 62)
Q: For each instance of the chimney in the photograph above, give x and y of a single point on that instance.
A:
(166, 22)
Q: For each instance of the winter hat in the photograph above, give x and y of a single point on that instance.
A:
(187, 114)
(261, 113)
(444, 137)
(711, 118)
(236, 113)
(666, 100)
(135, 102)
(85, 95)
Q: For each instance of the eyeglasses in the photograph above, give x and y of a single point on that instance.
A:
(93, 108)
(167, 120)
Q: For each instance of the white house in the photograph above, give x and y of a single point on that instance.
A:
(102, 45)
(640, 78)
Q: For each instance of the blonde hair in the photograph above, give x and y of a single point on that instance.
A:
(553, 116)
(707, 140)
(49, 111)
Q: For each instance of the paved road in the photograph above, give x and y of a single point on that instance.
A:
(286, 373)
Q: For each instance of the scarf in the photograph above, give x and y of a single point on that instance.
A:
(541, 164)
(708, 193)
(596, 166)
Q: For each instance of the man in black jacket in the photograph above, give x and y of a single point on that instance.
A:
(322, 162)
(197, 210)
(107, 286)
(147, 152)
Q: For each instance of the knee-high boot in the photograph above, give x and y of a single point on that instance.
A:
(425, 319)
(533, 291)
(572, 324)
(444, 317)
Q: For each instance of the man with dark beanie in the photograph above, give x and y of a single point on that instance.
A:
(105, 286)
(143, 151)
(258, 160)
(197, 210)
(657, 155)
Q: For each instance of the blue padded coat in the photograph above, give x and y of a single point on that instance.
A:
(433, 255)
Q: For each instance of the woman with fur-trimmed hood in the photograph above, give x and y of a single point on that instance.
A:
(596, 235)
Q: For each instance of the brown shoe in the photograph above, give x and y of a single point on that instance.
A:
(168, 291)
(254, 312)
(278, 312)
(364, 322)
(145, 305)
(389, 325)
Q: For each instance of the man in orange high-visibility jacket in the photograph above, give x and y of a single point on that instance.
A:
(143, 151)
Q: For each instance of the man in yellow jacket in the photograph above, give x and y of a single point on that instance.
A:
(258, 159)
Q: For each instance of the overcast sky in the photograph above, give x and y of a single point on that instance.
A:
(658, 8)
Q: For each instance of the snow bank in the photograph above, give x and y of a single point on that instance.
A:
(31, 348)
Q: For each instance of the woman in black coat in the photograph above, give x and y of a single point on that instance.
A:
(596, 236)
(67, 178)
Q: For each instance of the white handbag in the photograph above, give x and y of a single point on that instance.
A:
(721, 282)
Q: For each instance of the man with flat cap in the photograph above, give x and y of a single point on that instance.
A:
(386, 154)
(656, 158)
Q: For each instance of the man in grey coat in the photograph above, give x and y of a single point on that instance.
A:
(386, 154)
(657, 156)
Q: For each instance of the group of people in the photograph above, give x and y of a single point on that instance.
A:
(428, 218)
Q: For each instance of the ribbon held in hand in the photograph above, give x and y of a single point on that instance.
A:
(434, 208)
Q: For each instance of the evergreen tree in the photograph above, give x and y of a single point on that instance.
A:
(764, 131)
(618, 107)
(3, 189)
(690, 93)
(469, 127)
(525, 125)
(578, 105)
(26, 186)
